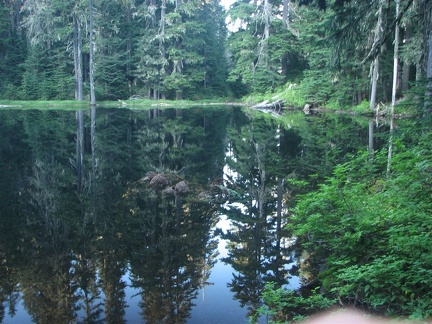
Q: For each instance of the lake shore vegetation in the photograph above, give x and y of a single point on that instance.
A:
(333, 54)
(362, 237)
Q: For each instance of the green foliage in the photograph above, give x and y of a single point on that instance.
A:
(166, 50)
(46, 76)
(12, 54)
(319, 78)
(293, 96)
(282, 305)
(362, 108)
(140, 49)
(182, 50)
(264, 53)
(367, 235)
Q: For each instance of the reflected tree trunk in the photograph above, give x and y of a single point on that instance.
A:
(279, 211)
(80, 168)
(262, 181)
(93, 156)
(371, 136)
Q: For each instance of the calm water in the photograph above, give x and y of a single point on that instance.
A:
(157, 216)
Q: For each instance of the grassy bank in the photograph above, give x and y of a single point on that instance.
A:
(139, 103)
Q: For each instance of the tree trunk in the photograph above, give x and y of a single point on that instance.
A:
(262, 56)
(374, 85)
(428, 96)
(371, 136)
(406, 68)
(279, 211)
(77, 49)
(285, 20)
(375, 63)
(80, 148)
(394, 89)
(162, 48)
(395, 60)
(178, 63)
(93, 156)
(129, 48)
(92, 83)
(267, 14)
(285, 13)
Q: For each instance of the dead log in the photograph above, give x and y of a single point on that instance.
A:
(275, 106)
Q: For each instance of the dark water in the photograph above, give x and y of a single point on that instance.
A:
(157, 216)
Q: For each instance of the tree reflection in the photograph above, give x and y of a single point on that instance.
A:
(59, 171)
(69, 265)
(257, 162)
(174, 245)
(46, 280)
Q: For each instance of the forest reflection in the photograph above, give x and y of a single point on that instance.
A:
(89, 197)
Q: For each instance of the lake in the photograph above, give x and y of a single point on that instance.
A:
(155, 215)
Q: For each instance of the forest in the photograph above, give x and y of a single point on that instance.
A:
(361, 229)
(334, 53)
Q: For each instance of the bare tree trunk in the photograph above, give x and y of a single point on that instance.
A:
(375, 63)
(77, 48)
(374, 85)
(285, 13)
(262, 59)
(75, 54)
(178, 64)
(267, 14)
(394, 89)
(428, 97)
(129, 48)
(395, 60)
(406, 68)
(92, 84)
(162, 48)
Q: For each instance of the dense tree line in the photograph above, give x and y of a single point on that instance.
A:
(338, 52)
(151, 48)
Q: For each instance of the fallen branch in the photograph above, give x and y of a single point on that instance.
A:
(276, 106)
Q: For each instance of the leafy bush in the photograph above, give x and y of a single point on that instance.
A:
(367, 232)
(283, 305)
(362, 108)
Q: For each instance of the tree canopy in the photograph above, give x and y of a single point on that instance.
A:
(335, 51)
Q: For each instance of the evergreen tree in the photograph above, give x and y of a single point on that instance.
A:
(182, 49)
(264, 49)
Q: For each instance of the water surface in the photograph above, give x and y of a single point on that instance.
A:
(157, 216)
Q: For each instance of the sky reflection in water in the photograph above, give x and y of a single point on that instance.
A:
(71, 213)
